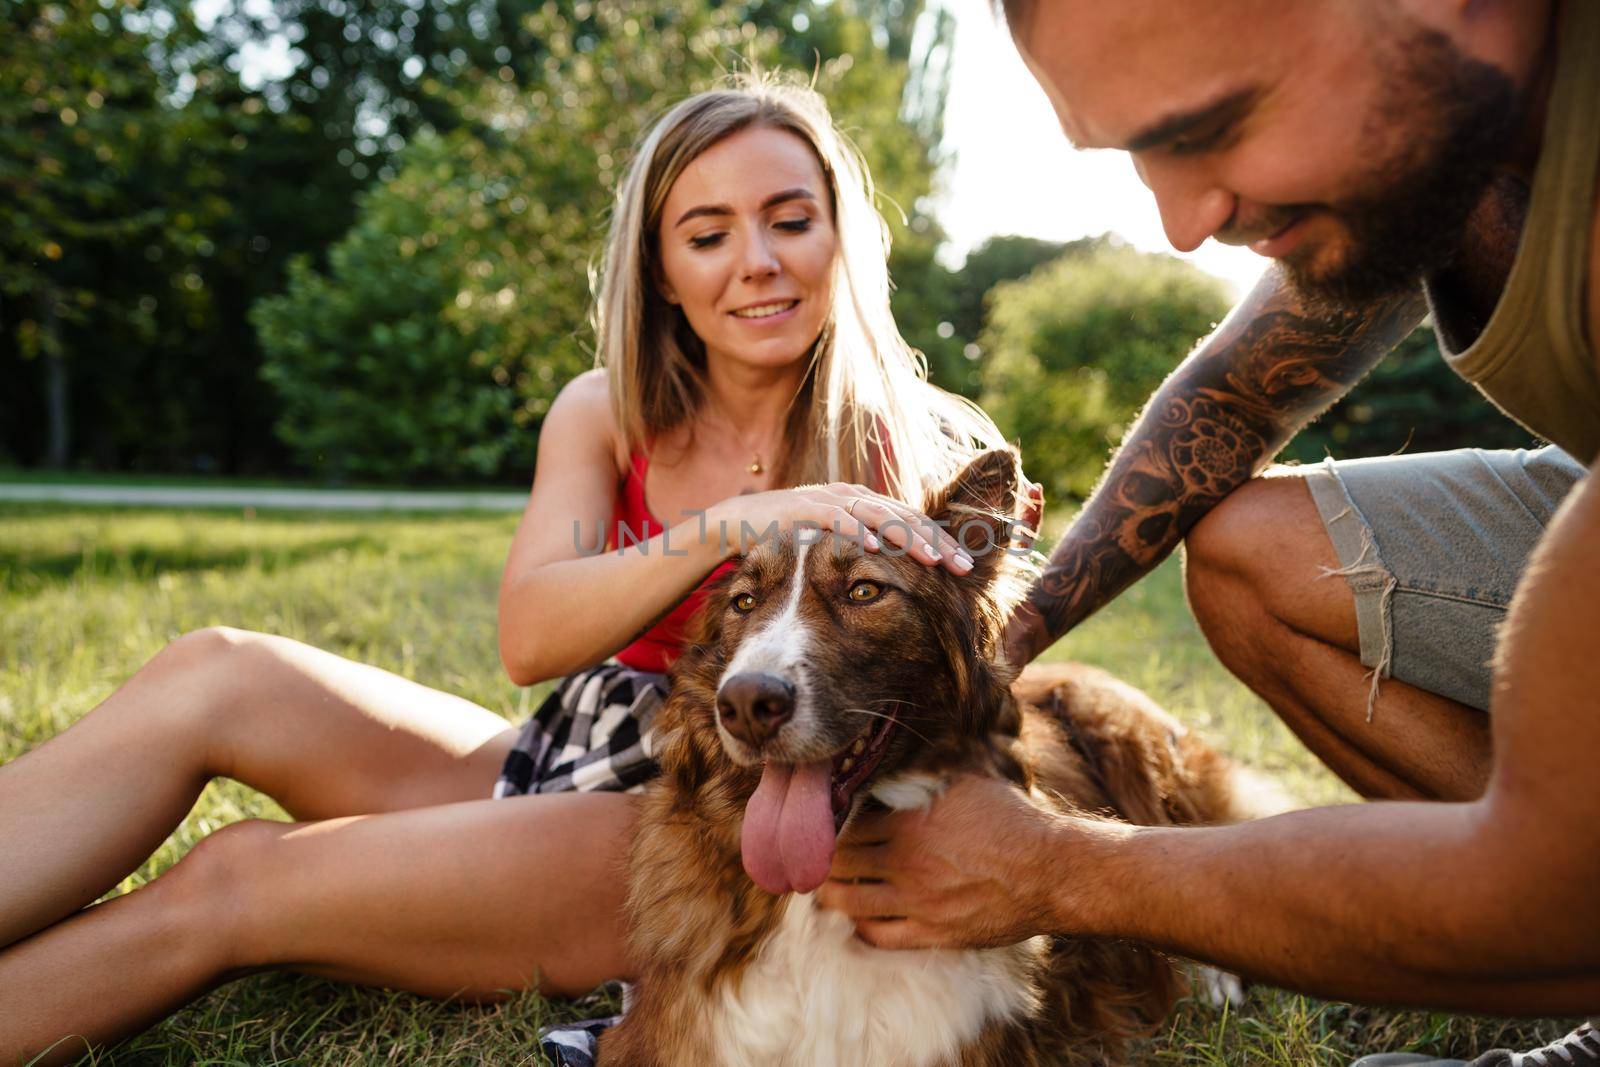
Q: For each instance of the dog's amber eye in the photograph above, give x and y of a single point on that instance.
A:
(744, 603)
(865, 592)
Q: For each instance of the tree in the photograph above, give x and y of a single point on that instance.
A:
(109, 198)
(944, 313)
(1074, 350)
(444, 323)
(1411, 402)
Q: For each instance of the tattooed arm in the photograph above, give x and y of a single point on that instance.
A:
(1271, 367)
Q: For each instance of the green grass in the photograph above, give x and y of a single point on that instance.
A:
(87, 595)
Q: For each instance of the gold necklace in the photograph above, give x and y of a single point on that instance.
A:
(756, 466)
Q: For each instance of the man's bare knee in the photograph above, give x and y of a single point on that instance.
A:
(1250, 528)
(1227, 568)
(1262, 558)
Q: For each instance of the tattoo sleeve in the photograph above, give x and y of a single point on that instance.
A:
(1271, 367)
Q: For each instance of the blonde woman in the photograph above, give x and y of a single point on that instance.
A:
(750, 375)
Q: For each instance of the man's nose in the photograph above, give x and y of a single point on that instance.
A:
(754, 705)
(1193, 206)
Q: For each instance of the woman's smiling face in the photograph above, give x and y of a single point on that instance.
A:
(748, 246)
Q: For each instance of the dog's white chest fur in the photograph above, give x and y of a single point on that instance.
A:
(817, 996)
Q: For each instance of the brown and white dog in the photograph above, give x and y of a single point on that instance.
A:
(826, 678)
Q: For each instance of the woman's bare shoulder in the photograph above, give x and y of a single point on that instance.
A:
(582, 413)
(589, 393)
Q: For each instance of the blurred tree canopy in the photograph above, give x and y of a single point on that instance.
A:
(1411, 402)
(113, 214)
(943, 312)
(350, 237)
(125, 320)
(444, 323)
(1073, 350)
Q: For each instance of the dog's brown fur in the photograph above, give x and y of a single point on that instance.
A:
(1077, 738)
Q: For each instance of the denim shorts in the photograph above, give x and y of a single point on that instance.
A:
(1432, 546)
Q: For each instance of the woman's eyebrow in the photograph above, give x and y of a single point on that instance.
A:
(1174, 126)
(797, 193)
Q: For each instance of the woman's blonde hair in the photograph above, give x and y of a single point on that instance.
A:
(866, 411)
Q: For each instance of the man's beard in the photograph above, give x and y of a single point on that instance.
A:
(1410, 222)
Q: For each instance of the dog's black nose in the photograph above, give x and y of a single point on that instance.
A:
(754, 705)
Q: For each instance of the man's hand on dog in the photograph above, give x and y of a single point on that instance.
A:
(970, 871)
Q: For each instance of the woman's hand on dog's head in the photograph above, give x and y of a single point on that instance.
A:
(972, 870)
(852, 511)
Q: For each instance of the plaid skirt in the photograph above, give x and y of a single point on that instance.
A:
(592, 732)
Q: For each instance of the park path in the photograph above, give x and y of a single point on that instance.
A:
(263, 498)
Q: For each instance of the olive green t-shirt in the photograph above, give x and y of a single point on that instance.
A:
(1532, 358)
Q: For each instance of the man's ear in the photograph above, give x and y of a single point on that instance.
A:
(978, 506)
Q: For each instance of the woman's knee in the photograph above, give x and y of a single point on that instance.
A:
(205, 660)
(198, 646)
(205, 649)
(177, 691)
(212, 674)
(209, 896)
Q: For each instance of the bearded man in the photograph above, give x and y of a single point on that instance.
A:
(1392, 159)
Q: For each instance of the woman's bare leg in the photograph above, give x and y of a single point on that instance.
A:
(470, 899)
(322, 735)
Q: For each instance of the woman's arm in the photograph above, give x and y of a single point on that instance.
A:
(566, 602)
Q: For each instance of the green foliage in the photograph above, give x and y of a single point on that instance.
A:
(999, 259)
(154, 194)
(452, 313)
(75, 127)
(107, 225)
(1412, 402)
(438, 171)
(1075, 349)
(444, 323)
(149, 199)
(942, 312)
(1072, 353)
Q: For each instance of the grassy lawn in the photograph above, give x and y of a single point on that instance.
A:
(86, 596)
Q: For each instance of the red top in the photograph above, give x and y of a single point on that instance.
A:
(664, 642)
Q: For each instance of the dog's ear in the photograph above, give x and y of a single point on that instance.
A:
(979, 505)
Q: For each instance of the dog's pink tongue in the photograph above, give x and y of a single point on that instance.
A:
(787, 839)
